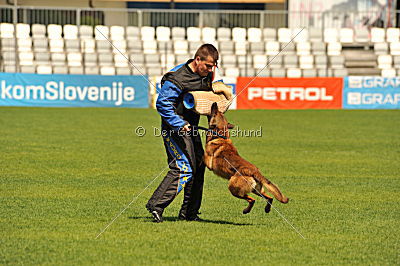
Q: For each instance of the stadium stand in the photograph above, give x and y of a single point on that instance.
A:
(244, 51)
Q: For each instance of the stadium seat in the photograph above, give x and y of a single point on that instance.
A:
(8, 44)
(135, 46)
(208, 34)
(260, 61)
(334, 48)
(388, 73)
(227, 47)
(6, 30)
(392, 34)
(74, 59)
(336, 62)
(277, 73)
(193, 34)
(23, 31)
(75, 70)
(85, 32)
(167, 61)
(24, 45)
(275, 61)
(60, 70)
(321, 61)
(318, 48)
(28, 69)
(293, 73)
(223, 34)
(105, 59)
(26, 58)
(58, 59)
(315, 35)
(40, 45)
(54, 32)
(272, 48)
(193, 46)
(303, 48)
(384, 61)
(284, 35)
(133, 33)
(247, 72)
(232, 72)
(181, 47)
(119, 46)
(340, 72)
(137, 60)
(257, 48)
(300, 35)
(117, 33)
(395, 48)
(107, 70)
(90, 59)
(266, 72)
(254, 35)
(330, 35)
(322, 73)
(346, 35)
(38, 31)
(72, 45)
(178, 34)
(154, 71)
(240, 48)
(361, 35)
(163, 34)
(56, 45)
(228, 61)
(101, 32)
(309, 73)
(377, 35)
(88, 45)
(121, 60)
(103, 46)
(152, 60)
(10, 68)
(269, 34)
(44, 69)
(150, 47)
(396, 61)
(70, 32)
(166, 47)
(245, 61)
(290, 61)
(94, 70)
(122, 71)
(182, 58)
(288, 48)
(239, 34)
(42, 58)
(306, 61)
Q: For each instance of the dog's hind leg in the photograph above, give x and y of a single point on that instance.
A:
(240, 186)
(265, 196)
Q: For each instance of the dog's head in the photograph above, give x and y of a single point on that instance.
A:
(217, 122)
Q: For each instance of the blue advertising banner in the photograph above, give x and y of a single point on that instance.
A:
(19, 89)
(371, 93)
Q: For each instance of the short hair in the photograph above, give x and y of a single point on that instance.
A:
(207, 50)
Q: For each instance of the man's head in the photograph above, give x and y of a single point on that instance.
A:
(205, 59)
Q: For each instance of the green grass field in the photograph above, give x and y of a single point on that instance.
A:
(66, 173)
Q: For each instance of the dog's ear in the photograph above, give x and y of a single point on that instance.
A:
(214, 109)
(230, 126)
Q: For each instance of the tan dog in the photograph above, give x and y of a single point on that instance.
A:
(222, 158)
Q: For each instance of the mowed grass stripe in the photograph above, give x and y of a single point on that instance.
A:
(67, 172)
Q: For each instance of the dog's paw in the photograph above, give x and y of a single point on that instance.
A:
(268, 206)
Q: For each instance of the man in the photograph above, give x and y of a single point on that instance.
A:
(183, 144)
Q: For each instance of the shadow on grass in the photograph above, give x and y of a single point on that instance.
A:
(175, 219)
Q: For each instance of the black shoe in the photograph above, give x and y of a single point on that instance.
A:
(190, 218)
(157, 217)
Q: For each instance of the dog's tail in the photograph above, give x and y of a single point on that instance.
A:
(273, 189)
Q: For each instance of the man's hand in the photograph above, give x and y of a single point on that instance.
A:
(186, 128)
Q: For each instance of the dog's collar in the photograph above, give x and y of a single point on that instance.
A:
(214, 133)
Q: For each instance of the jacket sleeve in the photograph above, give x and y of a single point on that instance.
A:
(165, 105)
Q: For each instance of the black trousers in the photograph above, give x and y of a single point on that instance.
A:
(186, 172)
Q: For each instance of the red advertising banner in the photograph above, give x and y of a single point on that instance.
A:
(289, 93)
